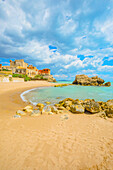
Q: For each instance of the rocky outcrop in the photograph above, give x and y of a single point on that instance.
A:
(49, 78)
(84, 80)
(28, 109)
(21, 113)
(89, 106)
(77, 109)
(92, 107)
(107, 84)
(61, 85)
(40, 106)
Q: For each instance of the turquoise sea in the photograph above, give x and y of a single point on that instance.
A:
(50, 94)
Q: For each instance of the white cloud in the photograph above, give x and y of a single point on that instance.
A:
(105, 68)
(76, 63)
(110, 58)
(105, 28)
(68, 27)
(60, 76)
(27, 28)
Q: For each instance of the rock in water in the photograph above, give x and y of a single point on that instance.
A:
(108, 84)
(77, 109)
(84, 80)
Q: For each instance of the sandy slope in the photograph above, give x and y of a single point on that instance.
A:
(48, 142)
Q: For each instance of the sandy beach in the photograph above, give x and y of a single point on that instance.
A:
(82, 142)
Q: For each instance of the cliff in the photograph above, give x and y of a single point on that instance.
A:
(49, 78)
(84, 80)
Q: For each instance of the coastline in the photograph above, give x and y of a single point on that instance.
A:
(10, 94)
(27, 91)
(47, 142)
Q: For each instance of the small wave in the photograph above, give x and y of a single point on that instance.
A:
(27, 91)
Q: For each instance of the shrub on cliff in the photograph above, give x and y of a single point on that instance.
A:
(26, 78)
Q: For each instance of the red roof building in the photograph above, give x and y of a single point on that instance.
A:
(0, 66)
(45, 71)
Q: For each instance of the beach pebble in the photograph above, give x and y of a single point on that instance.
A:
(17, 116)
(20, 112)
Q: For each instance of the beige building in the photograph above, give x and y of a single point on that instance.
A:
(17, 63)
(32, 71)
(20, 67)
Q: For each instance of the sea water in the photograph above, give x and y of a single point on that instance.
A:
(56, 94)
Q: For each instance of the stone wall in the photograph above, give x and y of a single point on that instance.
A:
(11, 79)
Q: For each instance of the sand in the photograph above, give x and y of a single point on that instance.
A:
(81, 142)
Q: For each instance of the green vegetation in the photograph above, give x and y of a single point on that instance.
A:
(19, 75)
(45, 79)
(38, 77)
(5, 69)
(26, 78)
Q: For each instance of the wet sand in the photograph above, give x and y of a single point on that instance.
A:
(81, 142)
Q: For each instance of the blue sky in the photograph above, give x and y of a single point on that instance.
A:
(68, 36)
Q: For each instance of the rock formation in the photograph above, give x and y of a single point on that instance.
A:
(84, 80)
(68, 105)
(88, 106)
(49, 78)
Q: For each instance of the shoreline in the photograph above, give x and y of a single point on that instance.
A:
(10, 93)
(47, 142)
(27, 91)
